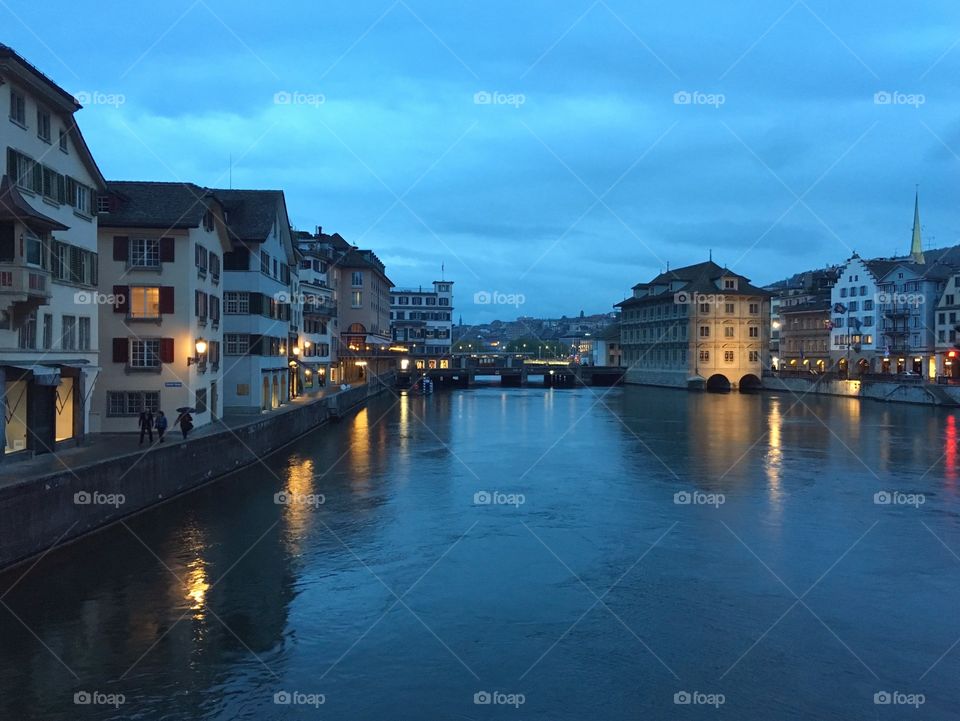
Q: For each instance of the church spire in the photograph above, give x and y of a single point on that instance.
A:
(916, 248)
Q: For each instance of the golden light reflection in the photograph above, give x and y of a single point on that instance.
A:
(298, 512)
(774, 461)
(404, 429)
(360, 450)
(197, 586)
(950, 450)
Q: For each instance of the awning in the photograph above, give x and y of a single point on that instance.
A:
(42, 375)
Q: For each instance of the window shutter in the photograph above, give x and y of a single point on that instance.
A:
(166, 299)
(120, 348)
(166, 350)
(121, 247)
(121, 295)
(166, 250)
(256, 345)
(256, 304)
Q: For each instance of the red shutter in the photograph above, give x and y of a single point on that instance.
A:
(121, 297)
(121, 247)
(120, 346)
(166, 350)
(166, 299)
(166, 250)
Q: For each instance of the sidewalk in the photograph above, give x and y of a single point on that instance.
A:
(98, 447)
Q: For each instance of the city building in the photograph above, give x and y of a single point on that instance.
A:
(606, 346)
(700, 326)
(319, 279)
(49, 352)
(947, 327)
(363, 311)
(161, 249)
(802, 321)
(422, 321)
(261, 302)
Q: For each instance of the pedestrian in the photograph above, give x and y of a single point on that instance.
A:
(186, 423)
(161, 425)
(146, 424)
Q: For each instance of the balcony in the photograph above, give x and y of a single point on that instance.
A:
(22, 284)
(323, 310)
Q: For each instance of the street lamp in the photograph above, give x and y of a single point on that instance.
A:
(201, 348)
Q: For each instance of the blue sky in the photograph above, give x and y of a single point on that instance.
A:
(620, 136)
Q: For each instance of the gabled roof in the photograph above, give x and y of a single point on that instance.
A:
(696, 278)
(251, 214)
(141, 204)
(9, 56)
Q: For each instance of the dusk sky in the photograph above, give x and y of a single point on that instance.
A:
(586, 173)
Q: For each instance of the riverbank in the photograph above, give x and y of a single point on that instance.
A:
(917, 393)
(61, 498)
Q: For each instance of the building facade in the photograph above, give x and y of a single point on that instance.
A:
(49, 352)
(947, 319)
(700, 326)
(161, 249)
(422, 321)
(261, 340)
(319, 280)
(364, 311)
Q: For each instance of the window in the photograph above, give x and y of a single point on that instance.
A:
(200, 256)
(868, 305)
(80, 196)
(47, 331)
(704, 308)
(704, 331)
(728, 356)
(729, 308)
(728, 331)
(63, 141)
(25, 172)
(754, 308)
(704, 355)
(264, 262)
(754, 332)
(950, 299)
(730, 283)
(356, 278)
(754, 356)
(28, 333)
(145, 353)
(853, 306)
(444, 301)
(215, 266)
(68, 334)
(43, 125)
(130, 403)
(201, 400)
(356, 298)
(145, 252)
(84, 334)
(18, 108)
(34, 249)
(54, 184)
(144, 302)
(236, 343)
(200, 305)
(235, 301)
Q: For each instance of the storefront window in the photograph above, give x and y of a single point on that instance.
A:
(65, 402)
(15, 401)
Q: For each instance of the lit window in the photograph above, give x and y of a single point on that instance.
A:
(144, 302)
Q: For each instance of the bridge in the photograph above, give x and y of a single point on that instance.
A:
(513, 370)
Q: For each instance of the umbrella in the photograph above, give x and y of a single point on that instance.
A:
(186, 409)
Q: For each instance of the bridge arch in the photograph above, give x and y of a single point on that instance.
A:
(718, 383)
(749, 383)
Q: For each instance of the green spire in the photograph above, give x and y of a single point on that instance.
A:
(916, 248)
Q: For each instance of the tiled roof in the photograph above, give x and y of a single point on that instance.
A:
(251, 214)
(8, 53)
(697, 278)
(140, 204)
(14, 207)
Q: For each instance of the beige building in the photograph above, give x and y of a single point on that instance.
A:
(700, 326)
(161, 250)
(363, 310)
(48, 262)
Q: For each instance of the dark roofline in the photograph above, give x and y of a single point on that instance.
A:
(8, 53)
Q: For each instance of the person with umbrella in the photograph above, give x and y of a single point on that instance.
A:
(185, 420)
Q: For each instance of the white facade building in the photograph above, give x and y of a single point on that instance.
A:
(422, 319)
(319, 278)
(48, 262)
(161, 249)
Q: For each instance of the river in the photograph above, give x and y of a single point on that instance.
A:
(524, 553)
